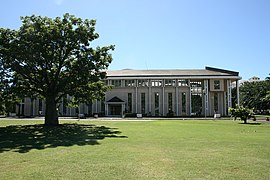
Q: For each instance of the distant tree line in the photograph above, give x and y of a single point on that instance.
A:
(254, 95)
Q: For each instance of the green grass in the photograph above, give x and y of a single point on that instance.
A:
(262, 116)
(165, 149)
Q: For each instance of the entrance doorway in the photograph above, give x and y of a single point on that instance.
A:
(115, 109)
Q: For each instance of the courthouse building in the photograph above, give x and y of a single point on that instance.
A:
(200, 92)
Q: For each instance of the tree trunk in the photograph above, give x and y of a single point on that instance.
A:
(51, 116)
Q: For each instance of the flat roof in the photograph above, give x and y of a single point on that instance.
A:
(208, 71)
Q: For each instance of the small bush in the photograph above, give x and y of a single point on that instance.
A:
(241, 112)
(170, 113)
(130, 114)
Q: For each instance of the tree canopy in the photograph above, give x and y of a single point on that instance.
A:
(254, 95)
(7, 98)
(53, 57)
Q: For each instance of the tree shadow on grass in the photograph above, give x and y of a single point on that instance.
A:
(24, 138)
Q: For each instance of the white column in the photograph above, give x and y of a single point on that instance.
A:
(229, 94)
(206, 98)
(149, 98)
(79, 109)
(136, 96)
(70, 109)
(106, 109)
(190, 105)
(177, 98)
(34, 107)
(96, 106)
(163, 98)
(123, 109)
(224, 103)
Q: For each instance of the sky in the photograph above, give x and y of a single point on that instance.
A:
(168, 34)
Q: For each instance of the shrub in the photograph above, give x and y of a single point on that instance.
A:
(241, 112)
(130, 114)
(170, 113)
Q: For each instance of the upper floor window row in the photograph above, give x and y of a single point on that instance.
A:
(183, 82)
(116, 83)
(196, 87)
(143, 82)
(147, 83)
(130, 83)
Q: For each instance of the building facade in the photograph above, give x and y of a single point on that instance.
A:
(202, 92)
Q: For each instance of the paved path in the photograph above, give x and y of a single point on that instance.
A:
(131, 119)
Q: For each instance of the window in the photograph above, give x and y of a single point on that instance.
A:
(129, 102)
(143, 103)
(169, 82)
(157, 104)
(196, 97)
(184, 103)
(102, 105)
(116, 83)
(89, 105)
(156, 83)
(196, 87)
(216, 84)
(130, 83)
(142, 82)
(170, 102)
(39, 105)
(183, 82)
(216, 102)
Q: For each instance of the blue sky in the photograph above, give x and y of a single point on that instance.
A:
(168, 34)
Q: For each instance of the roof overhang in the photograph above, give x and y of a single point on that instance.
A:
(207, 73)
(175, 77)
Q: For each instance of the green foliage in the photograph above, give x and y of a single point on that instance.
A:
(130, 114)
(234, 97)
(53, 57)
(267, 97)
(241, 112)
(2, 87)
(8, 100)
(253, 95)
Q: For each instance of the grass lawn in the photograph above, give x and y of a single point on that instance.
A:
(165, 149)
(262, 116)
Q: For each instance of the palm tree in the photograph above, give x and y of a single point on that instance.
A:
(268, 78)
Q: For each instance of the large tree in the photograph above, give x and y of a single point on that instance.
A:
(53, 57)
(253, 95)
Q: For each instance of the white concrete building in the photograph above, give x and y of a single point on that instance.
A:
(201, 92)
